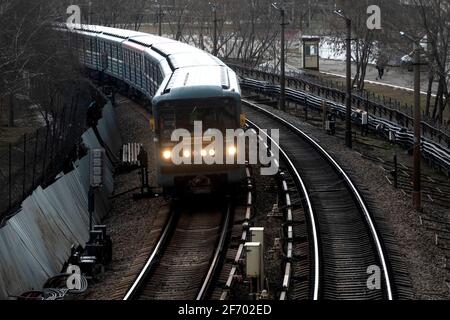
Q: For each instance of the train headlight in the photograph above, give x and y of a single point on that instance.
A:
(232, 150)
(212, 152)
(167, 154)
(186, 153)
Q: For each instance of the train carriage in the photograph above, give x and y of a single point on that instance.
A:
(185, 85)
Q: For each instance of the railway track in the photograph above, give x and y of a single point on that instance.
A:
(343, 238)
(184, 262)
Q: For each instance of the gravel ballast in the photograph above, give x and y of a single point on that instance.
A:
(134, 226)
(425, 262)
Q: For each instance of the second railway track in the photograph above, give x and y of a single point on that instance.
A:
(348, 242)
(183, 263)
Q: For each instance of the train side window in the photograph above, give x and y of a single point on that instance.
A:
(90, 51)
(160, 78)
(138, 68)
(126, 62)
(143, 74)
(130, 55)
(134, 65)
(80, 44)
(127, 59)
(151, 71)
(141, 69)
(111, 52)
(150, 77)
(83, 52)
(129, 63)
(154, 77)
(124, 56)
(147, 74)
(99, 52)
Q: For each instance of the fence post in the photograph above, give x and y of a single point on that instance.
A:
(24, 164)
(52, 144)
(9, 176)
(395, 172)
(35, 159)
(45, 155)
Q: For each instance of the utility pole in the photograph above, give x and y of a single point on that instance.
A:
(90, 13)
(159, 19)
(417, 201)
(348, 95)
(215, 48)
(283, 64)
(348, 98)
(309, 13)
(416, 179)
(282, 60)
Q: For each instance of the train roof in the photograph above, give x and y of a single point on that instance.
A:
(199, 76)
(192, 59)
(119, 33)
(180, 55)
(184, 65)
(147, 40)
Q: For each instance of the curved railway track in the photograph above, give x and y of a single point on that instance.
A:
(183, 263)
(344, 239)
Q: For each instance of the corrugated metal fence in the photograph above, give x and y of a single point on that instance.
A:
(35, 243)
(38, 157)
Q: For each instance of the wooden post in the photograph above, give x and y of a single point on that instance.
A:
(11, 111)
(324, 111)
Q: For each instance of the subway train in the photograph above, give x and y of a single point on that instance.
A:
(185, 85)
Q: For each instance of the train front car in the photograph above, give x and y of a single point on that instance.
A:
(193, 114)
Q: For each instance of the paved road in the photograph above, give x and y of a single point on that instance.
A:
(394, 77)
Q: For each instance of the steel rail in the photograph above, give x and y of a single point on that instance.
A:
(350, 184)
(152, 259)
(215, 261)
(312, 217)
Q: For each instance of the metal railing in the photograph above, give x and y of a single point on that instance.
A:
(386, 108)
(437, 154)
(36, 158)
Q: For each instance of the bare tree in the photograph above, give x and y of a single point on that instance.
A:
(435, 18)
(429, 20)
(365, 42)
(31, 52)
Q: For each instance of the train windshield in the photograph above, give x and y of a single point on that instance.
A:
(214, 114)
